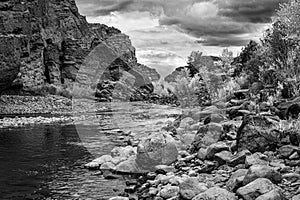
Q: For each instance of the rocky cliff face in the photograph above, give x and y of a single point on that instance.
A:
(178, 72)
(149, 72)
(45, 42)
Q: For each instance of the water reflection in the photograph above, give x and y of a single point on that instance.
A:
(46, 161)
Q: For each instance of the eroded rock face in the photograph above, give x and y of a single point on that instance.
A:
(148, 72)
(47, 41)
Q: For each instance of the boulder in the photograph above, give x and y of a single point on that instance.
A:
(216, 148)
(169, 191)
(262, 171)
(108, 166)
(190, 187)
(256, 188)
(236, 180)
(124, 151)
(296, 197)
(186, 122)
(223, 157)
(257, 134)
(157, 149)
(128, 166)
(96, 163)
(272, 195)
(256, 159)
(207, 135)
(287, 150)
(216, 193)
(239, 158)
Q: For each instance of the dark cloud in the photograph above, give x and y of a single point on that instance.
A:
(214, 22)
(255, 11)
(214, 31)
(223, 41)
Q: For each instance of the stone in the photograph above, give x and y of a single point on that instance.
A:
(272, 195)
(287, 150)
(124, 151)
(190, 187)
(217, 118)
(296, 197)
(202, 153)
(215, 148)
(236, 180)
(164, 169)
(223, 157)
(157, 149)
(208, 135)
(96, 163)
(169, 191)
(262, 171)
(186, 122)
(118, 159)
(255, 159)
(216, 193)
(239, 158)
(119, 198)
(128, 166)
(256, 188)
(108, 166)
(257, 134)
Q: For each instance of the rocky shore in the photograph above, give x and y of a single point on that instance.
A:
(235, 150)
(20, 111)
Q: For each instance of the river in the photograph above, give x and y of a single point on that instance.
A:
(46, 161)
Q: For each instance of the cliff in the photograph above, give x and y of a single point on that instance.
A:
(43, 44)
(178, 72)
(149, 72)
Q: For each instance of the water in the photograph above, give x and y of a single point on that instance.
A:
(46, 161)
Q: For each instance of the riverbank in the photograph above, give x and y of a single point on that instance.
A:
(50, 104)
(233, 150)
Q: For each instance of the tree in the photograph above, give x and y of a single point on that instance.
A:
(227, 58)
(289, 15)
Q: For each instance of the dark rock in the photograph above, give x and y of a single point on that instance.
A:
(257, 134)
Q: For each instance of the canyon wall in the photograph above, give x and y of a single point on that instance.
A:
(43, 43)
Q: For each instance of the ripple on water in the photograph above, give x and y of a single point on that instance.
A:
(47, 160)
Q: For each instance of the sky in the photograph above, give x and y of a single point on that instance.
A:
(165, 32)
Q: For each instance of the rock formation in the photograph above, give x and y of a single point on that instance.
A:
(178, 72)
(46, 42)
(149, 72)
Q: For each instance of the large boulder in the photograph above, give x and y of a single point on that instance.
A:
(257, 134)
(157, 149)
